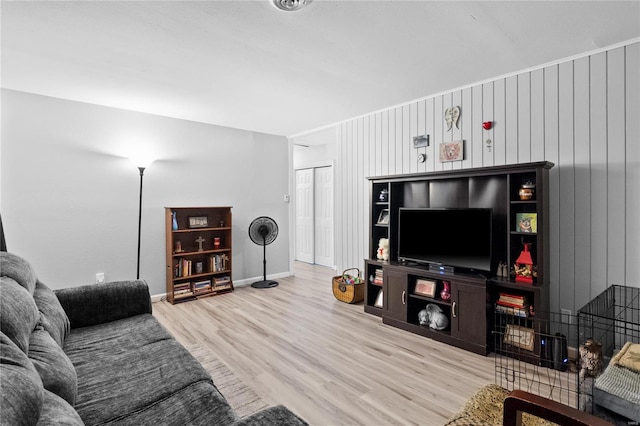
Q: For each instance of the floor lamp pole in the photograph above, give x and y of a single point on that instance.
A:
(139, 221)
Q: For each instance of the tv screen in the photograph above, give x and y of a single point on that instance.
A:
(450, 237)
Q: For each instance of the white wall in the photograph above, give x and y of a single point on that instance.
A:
(69, 195)
(582, 114)
(314, 156)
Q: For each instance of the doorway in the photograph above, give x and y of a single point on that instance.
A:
(314, 216)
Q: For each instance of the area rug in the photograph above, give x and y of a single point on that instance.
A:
(241, 397)
(485, 408)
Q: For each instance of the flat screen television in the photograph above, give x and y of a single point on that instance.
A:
(459, 237)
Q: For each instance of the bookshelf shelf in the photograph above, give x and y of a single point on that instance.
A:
(198, 259)
(195, 253)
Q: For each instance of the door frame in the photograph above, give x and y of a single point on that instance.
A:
(292, 208)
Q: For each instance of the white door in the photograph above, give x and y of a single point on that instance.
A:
(304, 215)
(323, 189)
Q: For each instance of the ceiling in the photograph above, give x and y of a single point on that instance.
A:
(247, 65)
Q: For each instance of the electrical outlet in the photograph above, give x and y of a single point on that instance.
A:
(566, 316)
(99, 277)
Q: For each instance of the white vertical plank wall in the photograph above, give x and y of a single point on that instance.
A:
(582, 114)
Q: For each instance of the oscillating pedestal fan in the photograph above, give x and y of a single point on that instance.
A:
(263, 231)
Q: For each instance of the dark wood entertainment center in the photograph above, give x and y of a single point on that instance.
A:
(470, 309)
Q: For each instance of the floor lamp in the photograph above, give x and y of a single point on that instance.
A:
(139, 220)
(141, 166)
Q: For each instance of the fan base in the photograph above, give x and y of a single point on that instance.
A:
(264, 284)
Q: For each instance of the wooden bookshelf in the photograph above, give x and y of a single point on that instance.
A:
(198, 252)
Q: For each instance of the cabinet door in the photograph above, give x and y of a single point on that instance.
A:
(395, 294)
(468, 312)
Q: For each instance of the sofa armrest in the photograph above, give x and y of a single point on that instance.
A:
(99, 303)
(518, 402)
(276, 416)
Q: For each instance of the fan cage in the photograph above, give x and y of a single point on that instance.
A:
(255, 234)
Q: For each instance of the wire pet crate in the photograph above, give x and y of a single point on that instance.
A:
(535, 353)
(612, 319)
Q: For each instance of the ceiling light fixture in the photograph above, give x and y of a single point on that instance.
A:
(290, 5)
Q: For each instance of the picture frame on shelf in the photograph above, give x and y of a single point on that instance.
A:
(527, 222)
(425, 288)
(520, 337)
(198, 222)
(383, 218)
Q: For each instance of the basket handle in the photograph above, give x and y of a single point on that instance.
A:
(351, 269)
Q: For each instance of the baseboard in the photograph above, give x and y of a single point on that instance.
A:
(248, 281)
(158, 297)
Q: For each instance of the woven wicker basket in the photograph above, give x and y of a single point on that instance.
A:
(348, 288)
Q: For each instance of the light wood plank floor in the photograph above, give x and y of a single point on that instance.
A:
(329, 362)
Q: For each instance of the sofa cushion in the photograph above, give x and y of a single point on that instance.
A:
(196, 404)
(19, 312)
(53, 319)
(54, 366)
(22, 393)
(19, 270)
(131, 365)
(57, 411)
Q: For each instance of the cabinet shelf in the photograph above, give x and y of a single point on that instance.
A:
(430, 299)
(529, 202)
(533, 234)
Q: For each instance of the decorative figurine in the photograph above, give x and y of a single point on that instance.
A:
(174, 221)
(383, 249)
(445, 294)
(527, 191)
(451, 116)
(524, 265)
(200, 240)
(433, 317)
(590, 359)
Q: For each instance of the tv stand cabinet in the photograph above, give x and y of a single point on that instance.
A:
(473, 323)
(466, 311)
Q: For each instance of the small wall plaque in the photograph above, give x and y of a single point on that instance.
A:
(451, 151)
(420, 141)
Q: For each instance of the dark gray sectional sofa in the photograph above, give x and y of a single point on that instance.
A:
(95, 355)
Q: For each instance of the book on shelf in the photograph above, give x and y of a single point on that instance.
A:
(182, 268)
(517, 312)
(377, 279)
(182, 286)
(222, 281)
(201, 286)
(511, 300)
(218, 262)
